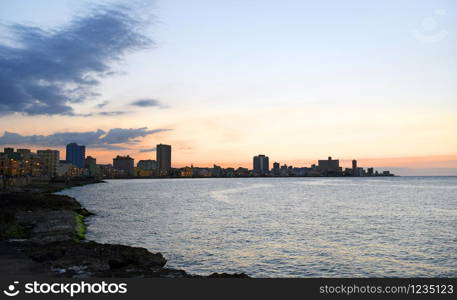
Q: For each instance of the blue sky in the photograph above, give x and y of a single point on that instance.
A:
(233, 47)
(284, 61)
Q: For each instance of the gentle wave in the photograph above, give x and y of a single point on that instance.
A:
(284, 227)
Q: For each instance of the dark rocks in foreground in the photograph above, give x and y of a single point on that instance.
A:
(227, 275)
(91, 259)
(39, 217)
(44, 229)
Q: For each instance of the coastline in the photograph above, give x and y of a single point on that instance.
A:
(43, 234)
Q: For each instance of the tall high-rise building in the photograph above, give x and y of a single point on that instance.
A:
(50, 159)
(76, 154)
(124, 163)
(164, 159)
(354, 168)
(261, 164)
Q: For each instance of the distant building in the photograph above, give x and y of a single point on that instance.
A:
(354, 168)
(68, 169)
(242, 172)
(330, 167)
(358, 172)
(25, 153)
(229, 172)
(11, 154)
(147, 165)
(164, 159)
(261, 164)
(106, 170)
(187, 172)
(50, 159)
(90, 161)
(146, 168)
(8, 151)
(301, 172)
(64, 168)
(216, 171)
(76, 154)
(276, 169)
(201, 172)
(124, 164)
(284, 171)
(20, 163)
(91, 165)
(4, 164)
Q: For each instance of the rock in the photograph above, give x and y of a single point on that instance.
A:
(105, 260)
(48, 225)
(33, 201)
(226, 275)
(84, 212)
(106, 256)
(44, 217)
(91, 259)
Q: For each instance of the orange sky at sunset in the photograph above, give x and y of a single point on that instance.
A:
(221, 91)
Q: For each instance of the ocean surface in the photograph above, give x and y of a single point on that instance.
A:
(284, 227)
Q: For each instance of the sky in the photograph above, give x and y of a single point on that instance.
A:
(222, 81)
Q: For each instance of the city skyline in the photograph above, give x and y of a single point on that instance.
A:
(25, 165)
(373, 82)
(382, 163)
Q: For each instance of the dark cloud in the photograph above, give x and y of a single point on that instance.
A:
(111, 139)
(112, 113)
(149, 150)
(121, 135)
(146, 103)
(48, 71)
(103, 104)
(103, 113)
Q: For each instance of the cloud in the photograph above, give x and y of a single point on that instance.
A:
(113, 139)
(146, 103)
(112, 113)
(46, 72)
(149, 150)
(120, 135)
(103, 104)
(103, 113)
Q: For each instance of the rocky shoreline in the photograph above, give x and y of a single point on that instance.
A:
(43, 234)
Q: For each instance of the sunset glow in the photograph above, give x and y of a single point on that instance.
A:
(216, 88)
